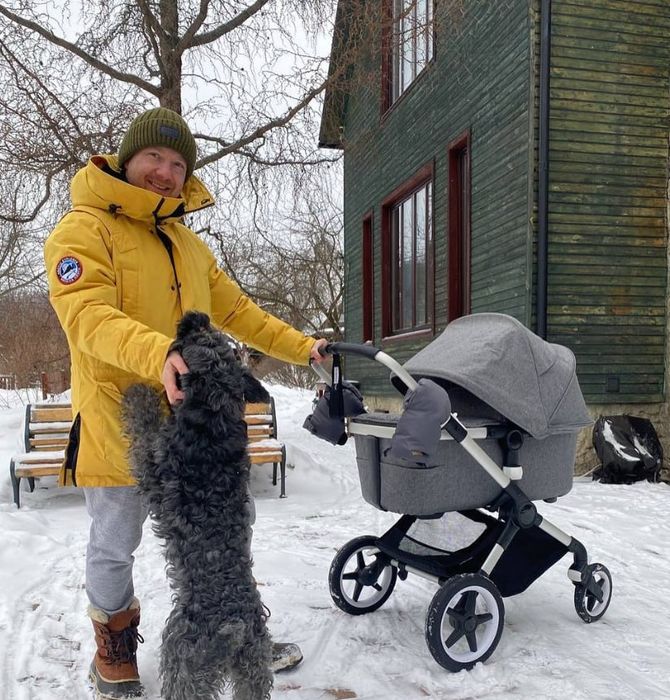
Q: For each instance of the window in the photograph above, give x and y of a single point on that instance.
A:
(459, 227)
(407, 251)
(368, 280)
(410, 44)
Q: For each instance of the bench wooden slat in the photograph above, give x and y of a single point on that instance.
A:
(47, 445)
(54, 427)
(258, 408)
(265, 449)
(258, 420)
(35, 471)
(265, 458)
(42, 414)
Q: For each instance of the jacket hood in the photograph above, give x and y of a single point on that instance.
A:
(98, 184)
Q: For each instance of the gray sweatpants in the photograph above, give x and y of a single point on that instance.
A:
(117, 515)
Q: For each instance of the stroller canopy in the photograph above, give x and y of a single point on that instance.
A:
(531, 382)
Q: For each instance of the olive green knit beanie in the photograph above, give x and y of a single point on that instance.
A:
(159, 127)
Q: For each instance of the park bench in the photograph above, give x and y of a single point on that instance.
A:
(47, 426)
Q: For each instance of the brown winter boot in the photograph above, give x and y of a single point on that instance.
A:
(114, 669)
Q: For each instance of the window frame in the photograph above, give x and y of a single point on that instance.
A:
(390, 204)
(389, 43)
(368, 275)
(459, 222)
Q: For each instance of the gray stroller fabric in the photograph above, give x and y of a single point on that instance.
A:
(321, 424)
(417, 434)
(531, 382)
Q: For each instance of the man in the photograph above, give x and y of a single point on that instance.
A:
(122, 270)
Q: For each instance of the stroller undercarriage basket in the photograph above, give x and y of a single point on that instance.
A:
(530, 554)
(513, 409)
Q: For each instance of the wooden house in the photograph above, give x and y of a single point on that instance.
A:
(508, 156)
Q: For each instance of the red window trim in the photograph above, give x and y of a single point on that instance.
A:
(368, 275)
(408, 336)
(422, 176)
(459, 234)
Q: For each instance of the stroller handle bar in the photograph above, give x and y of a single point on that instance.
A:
(370, 352)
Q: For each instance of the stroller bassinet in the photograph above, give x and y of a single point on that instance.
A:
(498, 375)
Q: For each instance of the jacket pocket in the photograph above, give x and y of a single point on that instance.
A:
(112, 441)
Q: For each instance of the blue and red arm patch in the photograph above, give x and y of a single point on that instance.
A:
(69, 270)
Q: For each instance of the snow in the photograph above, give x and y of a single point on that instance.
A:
(546, 651)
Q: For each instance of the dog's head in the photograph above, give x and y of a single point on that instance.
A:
(216, 376)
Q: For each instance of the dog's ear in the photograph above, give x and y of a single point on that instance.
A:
(254, 391)
(192, 322)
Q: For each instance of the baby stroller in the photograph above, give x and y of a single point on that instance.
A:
(489, 425)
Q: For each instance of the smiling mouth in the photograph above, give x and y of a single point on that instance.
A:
(161, 189)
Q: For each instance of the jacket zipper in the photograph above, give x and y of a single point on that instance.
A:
(165, 240)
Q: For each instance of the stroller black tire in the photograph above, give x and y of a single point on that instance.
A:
(592, 598)
(361, 578)
(464, 621)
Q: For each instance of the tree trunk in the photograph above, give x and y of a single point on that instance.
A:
(171, 69)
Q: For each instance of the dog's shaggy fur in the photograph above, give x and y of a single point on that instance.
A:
(193, 470)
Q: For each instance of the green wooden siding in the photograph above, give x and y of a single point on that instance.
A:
(480, 80)
(609, 125)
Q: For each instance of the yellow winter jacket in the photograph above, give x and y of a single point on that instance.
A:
(122, 271)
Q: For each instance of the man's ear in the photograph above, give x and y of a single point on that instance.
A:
(254, 391)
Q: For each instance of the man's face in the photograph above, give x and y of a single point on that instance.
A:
(158, 169)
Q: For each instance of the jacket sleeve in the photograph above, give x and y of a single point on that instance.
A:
(236, 314)
(86, 300)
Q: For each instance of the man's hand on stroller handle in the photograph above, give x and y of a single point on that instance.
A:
(369, 351)
(351, 348)
(317, 351)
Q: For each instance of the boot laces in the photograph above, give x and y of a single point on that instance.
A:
(121, 646)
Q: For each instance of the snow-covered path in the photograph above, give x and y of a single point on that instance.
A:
(546, 651)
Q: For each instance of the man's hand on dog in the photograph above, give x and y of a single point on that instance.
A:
(174, 366)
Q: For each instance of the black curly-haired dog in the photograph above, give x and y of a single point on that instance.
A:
(193, 470)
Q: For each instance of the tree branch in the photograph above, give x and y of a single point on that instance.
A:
(151, 20)
(222, 29)
(262, 130)
(186, 41)
(263, 161)
(152, 29)
(85, 56)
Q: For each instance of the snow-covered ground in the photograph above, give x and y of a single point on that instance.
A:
(546, 651)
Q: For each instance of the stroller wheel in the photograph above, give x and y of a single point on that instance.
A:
(592, 598)
(361, 578)
(465, 621)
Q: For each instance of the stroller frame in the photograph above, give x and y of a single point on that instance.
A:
(465, 619)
